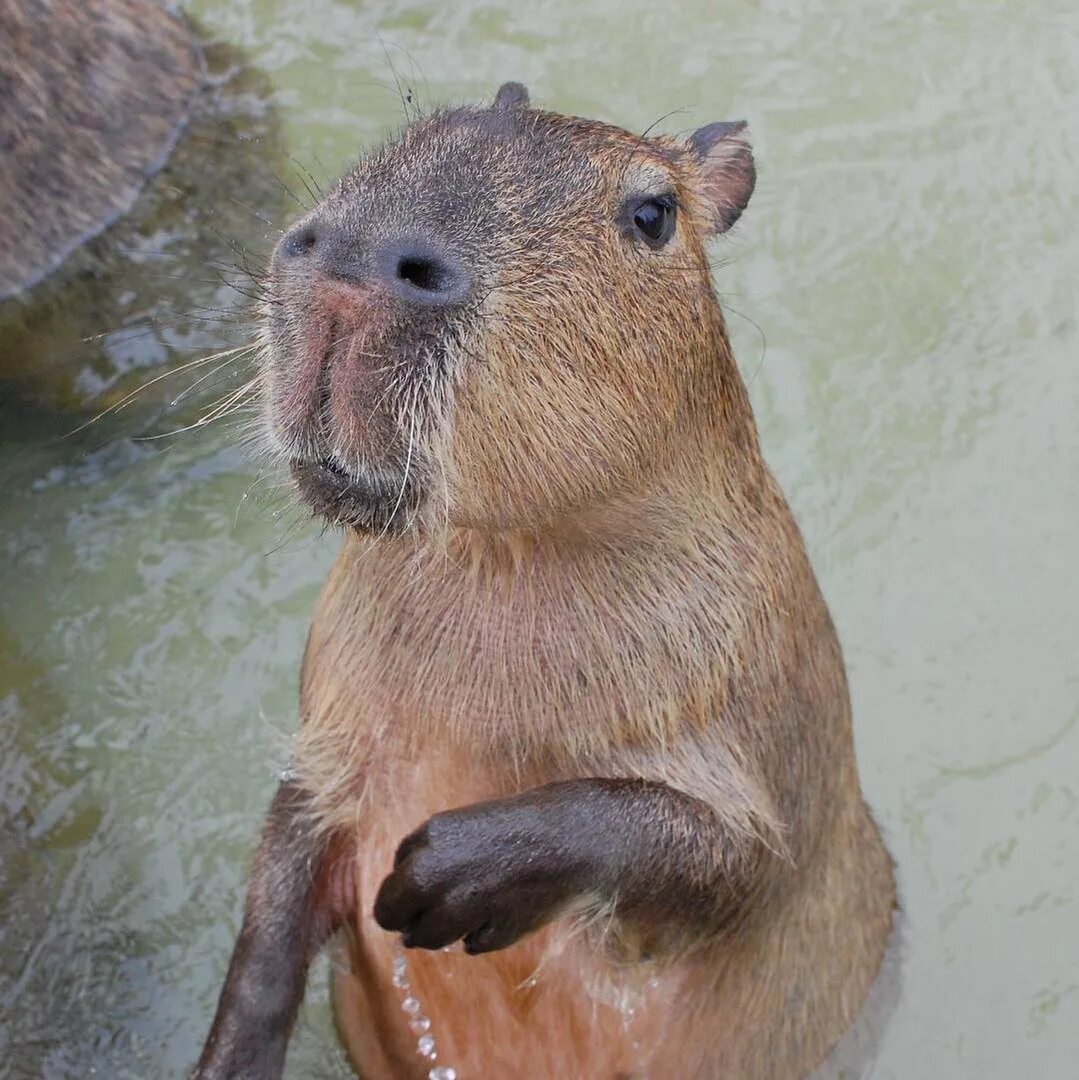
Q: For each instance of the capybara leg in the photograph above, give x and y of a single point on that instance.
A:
(289, 913)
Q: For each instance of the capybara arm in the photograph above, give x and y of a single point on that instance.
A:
(287, 917)
(491, 872)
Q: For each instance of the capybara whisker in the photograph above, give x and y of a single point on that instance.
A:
(236, 352)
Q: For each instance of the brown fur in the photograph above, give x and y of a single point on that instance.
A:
(95, 93)
(601, 578)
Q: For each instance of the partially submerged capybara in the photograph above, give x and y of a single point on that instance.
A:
(571, 694)
(94, 94)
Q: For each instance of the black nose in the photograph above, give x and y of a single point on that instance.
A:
(422, 273)
(415, 270)
(298, 242)
(318, 244)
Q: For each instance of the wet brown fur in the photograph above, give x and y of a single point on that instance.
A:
(95, 93)
(602, 579)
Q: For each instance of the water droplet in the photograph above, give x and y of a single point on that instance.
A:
(442, 1072)
(419, 1025)
(426, 1046)
(411, 1006)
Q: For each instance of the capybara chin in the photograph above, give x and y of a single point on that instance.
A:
(571, 695)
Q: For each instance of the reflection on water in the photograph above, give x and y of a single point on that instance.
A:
(910, 255)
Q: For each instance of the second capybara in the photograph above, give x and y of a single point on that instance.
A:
(95, 94)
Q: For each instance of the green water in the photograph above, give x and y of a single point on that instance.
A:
(911, 256)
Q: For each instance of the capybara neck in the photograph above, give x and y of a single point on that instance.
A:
(706, 470)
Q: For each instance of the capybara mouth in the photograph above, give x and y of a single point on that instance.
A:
(371, 501)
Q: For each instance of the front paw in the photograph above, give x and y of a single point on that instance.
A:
(487, 874)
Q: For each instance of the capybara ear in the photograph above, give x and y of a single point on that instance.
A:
(511, 95)
(727, 172)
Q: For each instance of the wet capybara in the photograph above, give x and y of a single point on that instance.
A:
(571, 694)
(95, 93)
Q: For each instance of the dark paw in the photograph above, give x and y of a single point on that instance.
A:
(487, 874)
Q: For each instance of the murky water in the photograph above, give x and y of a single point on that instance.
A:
(911, 256)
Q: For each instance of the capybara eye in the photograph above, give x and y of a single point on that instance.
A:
(654, 219)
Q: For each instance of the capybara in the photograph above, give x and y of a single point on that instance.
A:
(571, 694)
(95, 93)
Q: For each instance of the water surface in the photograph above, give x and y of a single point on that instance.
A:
(911, 259)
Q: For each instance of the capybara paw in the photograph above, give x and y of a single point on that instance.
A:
(487, 874)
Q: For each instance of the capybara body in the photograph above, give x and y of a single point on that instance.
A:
(95, 93)
(571, 693)
(769, 995)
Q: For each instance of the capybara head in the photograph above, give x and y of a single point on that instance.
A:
(500, 320)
